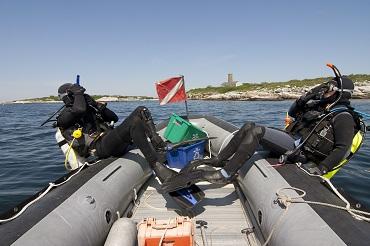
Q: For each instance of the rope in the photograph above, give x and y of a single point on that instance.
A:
(354, 212)
(67, 155)
(275, 226)
(164, 233)
(286, 200)
(139, 202)
(283, 199)
(51, 185)
(145, 202)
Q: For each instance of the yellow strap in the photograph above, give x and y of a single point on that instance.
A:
(67, 154)
(356, 144)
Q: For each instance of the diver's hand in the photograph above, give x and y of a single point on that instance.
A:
(301, 102)
(76, 89)
(101, 105)
(315, 169)
(90, 101)
(313, 94)
(323, 169)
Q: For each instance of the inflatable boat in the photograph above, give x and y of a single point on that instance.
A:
(257, 209)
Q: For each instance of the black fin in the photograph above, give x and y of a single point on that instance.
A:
(181, 181)
(188, 197)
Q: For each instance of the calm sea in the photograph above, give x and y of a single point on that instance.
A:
(30, 158)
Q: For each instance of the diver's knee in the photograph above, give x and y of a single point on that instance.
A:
(258, 131)
(144, 113)
(247, 126)
(140, 109)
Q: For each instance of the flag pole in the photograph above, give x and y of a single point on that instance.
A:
(186, 100)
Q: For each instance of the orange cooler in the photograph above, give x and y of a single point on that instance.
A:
(175, 232)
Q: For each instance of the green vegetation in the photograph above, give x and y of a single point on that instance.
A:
(274, 85)
(43, 99)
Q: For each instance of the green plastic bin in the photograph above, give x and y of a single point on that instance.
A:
(179, 129)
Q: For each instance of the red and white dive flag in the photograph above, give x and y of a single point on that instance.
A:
(171, 90)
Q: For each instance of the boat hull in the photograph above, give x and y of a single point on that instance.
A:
(82, 211)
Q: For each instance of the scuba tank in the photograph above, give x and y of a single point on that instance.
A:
(72, 159)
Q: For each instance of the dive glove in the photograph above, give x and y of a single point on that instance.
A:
(313, 168)
(76, 89)
(301, 102)
(313, 94)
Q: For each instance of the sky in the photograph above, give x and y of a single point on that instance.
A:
(124, 47)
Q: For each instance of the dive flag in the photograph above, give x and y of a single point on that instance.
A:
(171, 90)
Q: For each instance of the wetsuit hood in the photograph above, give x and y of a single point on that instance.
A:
(64, 95)
(348, 87)
(337, 85)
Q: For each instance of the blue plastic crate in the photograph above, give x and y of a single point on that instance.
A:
(180, 157)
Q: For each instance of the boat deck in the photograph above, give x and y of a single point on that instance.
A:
(221, 209)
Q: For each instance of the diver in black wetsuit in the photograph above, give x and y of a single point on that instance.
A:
(101, 140)
(325, 110)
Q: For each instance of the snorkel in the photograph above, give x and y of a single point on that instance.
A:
(338, 76)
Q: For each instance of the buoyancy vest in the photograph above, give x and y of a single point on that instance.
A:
(355, 146)
(320, 143)
(72, 159)
(75, 149)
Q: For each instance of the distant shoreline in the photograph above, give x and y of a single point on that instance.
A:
(266, 91)
(216, 100)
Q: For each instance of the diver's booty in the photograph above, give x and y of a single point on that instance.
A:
(182, 180)
(163, 173)
(156, 140)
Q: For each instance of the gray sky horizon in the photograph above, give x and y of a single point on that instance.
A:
(124, 47)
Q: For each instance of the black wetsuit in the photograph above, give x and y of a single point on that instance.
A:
(245, 142)
(91, 116)
(343, 126)
(280, 142)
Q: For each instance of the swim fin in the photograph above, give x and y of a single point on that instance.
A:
(182, 181)
(187, 198)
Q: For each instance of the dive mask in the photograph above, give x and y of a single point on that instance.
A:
(67, 98)
(345, 83)
(320, 90)
(62, 95)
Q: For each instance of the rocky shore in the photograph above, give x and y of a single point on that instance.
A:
(287, 92)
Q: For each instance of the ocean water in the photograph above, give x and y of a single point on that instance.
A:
(30, 158)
